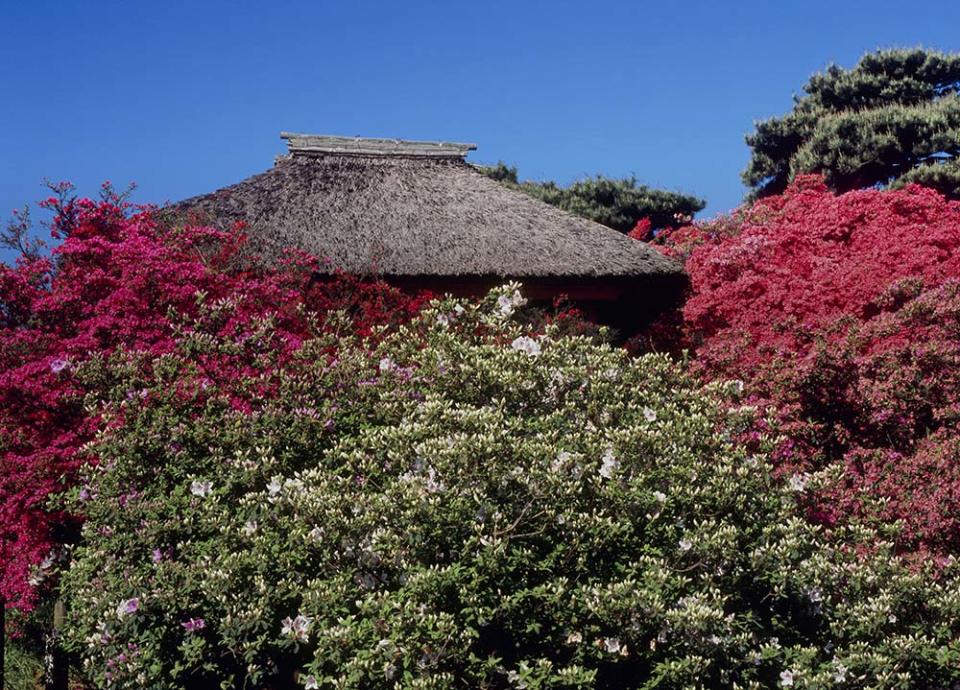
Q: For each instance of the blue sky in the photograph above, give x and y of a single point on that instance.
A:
(185, 97)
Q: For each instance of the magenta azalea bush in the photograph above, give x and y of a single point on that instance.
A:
(118, 281)
(843, 313)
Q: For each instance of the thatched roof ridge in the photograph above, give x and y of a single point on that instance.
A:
(318, 144)
(408, 215)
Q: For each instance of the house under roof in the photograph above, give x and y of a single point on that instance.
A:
(417, 214)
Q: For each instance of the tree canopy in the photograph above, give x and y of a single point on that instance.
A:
(616, 203)
(892, 119)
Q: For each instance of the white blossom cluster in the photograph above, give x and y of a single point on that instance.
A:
(517, 509)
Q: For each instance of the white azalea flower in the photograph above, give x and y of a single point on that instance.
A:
(514, 678)
(201, 489)
(786, 679)
(563, 457)
(685, 544)
(297, 628)
(798, 482)
(432, 482)
(610, 464)
(526, 344)
(840, 675)
(649, 414)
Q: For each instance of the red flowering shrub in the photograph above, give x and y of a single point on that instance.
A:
(844, 312)
(680, 242)
(118, 280)
(883, 394)
(642, 230)
(367, 303)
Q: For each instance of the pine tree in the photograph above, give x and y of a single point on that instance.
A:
(616, 203)
(892, 119)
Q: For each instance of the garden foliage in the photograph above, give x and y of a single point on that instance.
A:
(843, 311)
(466, 503)
(118, 281)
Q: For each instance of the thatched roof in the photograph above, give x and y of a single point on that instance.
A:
(400, 208)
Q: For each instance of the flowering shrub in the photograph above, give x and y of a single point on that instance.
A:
(808, 257)
(467, 504)
(118, 281)
(370, 304)
(843, 312)
(642, 230)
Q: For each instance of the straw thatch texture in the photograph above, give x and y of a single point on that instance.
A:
(416, 216)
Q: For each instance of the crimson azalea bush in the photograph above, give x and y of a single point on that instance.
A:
(467, 503)
(844, 312)
(118, 280)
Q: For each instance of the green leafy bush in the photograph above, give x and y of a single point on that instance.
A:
(468, 504)
(22, 666)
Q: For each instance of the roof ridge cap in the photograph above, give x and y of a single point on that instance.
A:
(320, 144)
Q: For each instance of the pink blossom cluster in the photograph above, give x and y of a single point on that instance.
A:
(843, 313)
(121, 279)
